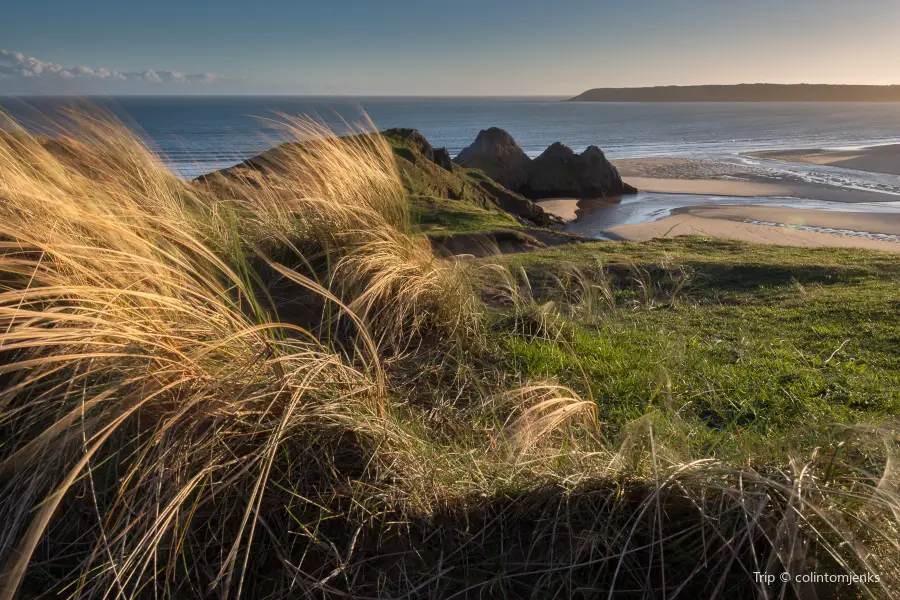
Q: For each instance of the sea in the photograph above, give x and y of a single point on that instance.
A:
(198, 134)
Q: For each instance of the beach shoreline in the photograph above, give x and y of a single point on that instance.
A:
(767, 225)
(669, 175)
(874, 159)
(762, 223)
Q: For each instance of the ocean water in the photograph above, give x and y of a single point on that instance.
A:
(196, 135)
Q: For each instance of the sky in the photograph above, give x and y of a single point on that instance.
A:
(451, 47)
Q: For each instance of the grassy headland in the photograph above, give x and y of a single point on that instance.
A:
(745, 92)
(271, 386)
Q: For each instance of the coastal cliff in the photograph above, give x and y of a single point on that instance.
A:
(750, 92)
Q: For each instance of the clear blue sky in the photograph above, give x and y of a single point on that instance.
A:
(465, 46)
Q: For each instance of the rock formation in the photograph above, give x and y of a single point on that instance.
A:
(414, 138)
(497, 154)
(558, 172)
(442, 159)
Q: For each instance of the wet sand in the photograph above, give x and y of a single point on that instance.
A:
(731, 222)
(713, 187)
(886, 223)
(772, 218)
(878, 159)
(682, 168)
(687, 176)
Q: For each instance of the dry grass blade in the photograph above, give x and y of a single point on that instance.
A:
(544, 409)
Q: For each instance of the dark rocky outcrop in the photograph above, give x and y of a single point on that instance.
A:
(559, 171)
(442, 159)
(497, 154)
(413, 138)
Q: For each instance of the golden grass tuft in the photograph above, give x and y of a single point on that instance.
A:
(126, 338)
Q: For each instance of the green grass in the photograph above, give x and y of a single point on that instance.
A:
(763, 348)
(456, 216)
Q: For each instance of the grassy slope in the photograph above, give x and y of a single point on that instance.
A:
(455, 216)
(472, 200)
(461, 201)
(763, 348)
(425, 179)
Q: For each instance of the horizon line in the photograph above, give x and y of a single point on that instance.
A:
(383, 95)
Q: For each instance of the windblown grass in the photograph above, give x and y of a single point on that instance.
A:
(271, 387)
(128, 340)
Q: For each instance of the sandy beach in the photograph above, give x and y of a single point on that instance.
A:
(731, 222)
(687, 176)
(878, 159)
(714, 187)
(795, 226)
(886, 223)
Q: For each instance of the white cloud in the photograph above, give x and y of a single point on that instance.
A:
(17, 65)
(151, 76)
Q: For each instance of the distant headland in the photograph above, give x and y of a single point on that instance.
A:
(748, 92)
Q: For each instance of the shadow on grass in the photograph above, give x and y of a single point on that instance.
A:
(691, 537)
(561, 544)
(748, 277)
(701, 280)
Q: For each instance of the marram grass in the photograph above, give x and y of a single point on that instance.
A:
(273, 388)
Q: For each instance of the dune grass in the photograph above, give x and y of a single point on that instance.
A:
(274, 388)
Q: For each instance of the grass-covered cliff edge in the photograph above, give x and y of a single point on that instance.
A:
(272, 386)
